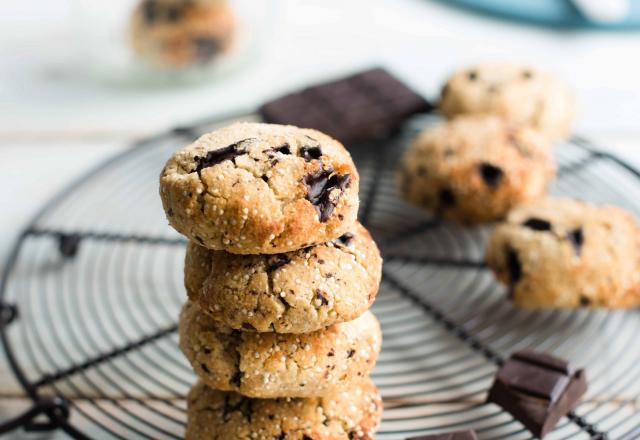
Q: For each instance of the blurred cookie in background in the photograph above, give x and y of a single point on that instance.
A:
(474, 169)
(519, 94)
(567, 253)
(182, 33)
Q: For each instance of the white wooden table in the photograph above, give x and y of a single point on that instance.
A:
(54, 124)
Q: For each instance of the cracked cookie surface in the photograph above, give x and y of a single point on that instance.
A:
(568, 254)
(174, 34)
(295, 292)
(254, 188)
(520, 94)
(474, 169)
(353, 414)
(268, 365)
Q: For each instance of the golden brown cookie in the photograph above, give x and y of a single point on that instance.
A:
(520, 94)
(352, 414)
(567, 253)
(261, 189)
(296, 292)
(269, 365)
(474, 169)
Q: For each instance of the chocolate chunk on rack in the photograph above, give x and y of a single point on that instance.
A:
(363, 107)
(537, 389)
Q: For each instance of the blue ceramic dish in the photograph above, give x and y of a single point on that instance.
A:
(554, 13)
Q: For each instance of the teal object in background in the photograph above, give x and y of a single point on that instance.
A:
(553, 13)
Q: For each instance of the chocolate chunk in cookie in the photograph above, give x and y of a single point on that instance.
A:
(514, 267)
(276, 261)
(447, 198)
(576, 238)
(491, 174)
(220, 155)
(537, 224)
(345, 239)
(322, 187)
(310, 153)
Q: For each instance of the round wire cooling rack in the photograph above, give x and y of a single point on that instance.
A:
(92, 290)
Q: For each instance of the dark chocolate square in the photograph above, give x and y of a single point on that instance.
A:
(533, 380)
(537, 389)
(367, 106)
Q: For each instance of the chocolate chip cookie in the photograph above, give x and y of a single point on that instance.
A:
(351, 414)
(520, 94)
(475, 168)
(261, 189)
(269, 365)
(295, 292)
(567, 253)
(176, 34)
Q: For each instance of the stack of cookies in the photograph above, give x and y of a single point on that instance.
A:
(280, 277)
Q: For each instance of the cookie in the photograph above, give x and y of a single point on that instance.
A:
(270, 365)
(176, 34)
(296, 292)
(344, 415)
(520, 94)
(261, 189)
(474, 169)
(567, 253)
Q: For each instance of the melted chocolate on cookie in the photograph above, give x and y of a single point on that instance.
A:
(319, 187)
(220, 155)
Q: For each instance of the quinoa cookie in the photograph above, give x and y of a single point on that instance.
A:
(181, 33)
(474, 169)
(269, 365)
(520, 94)
(351, 414)
(296, 292)
(261, 189)
(567, 253)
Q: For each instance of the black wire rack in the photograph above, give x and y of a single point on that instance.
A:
(93, 287)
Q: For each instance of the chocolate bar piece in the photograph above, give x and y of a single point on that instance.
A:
(367, 106)
(456, 435)
(537, 389)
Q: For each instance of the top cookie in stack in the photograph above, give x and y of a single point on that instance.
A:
(261, 189)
